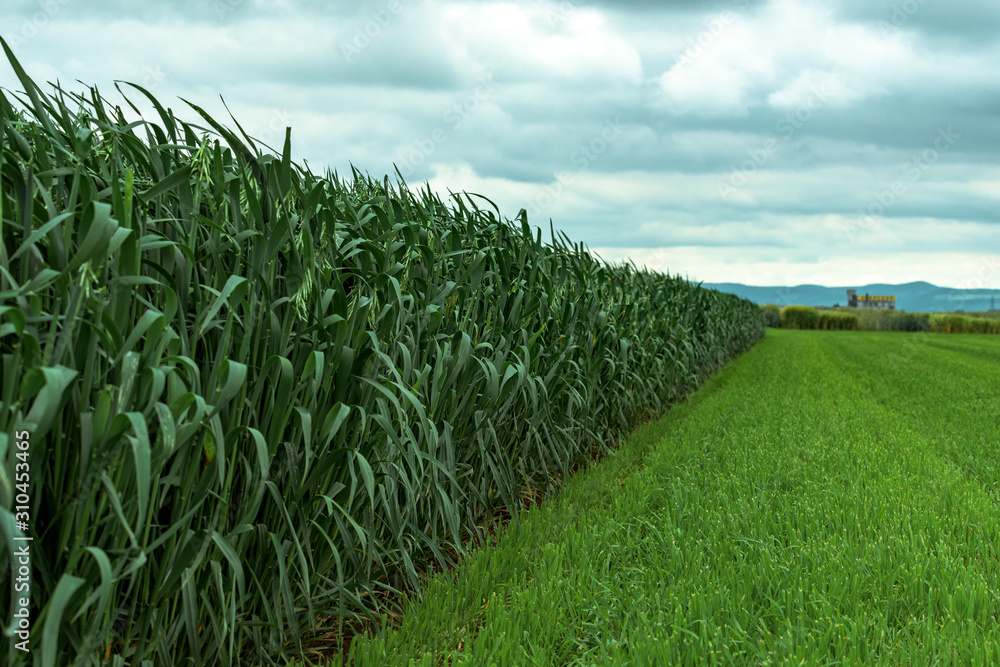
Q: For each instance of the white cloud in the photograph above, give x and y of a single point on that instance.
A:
(782, 56)
(718, 73)
(813, 86)
(762, 266)
(527, 43)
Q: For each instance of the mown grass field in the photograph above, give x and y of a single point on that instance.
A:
(821, 500)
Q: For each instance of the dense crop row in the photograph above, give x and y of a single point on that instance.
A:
(952, 323)
(261, 400)
(804, 317)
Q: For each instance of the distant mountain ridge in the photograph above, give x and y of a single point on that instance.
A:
(919, 297)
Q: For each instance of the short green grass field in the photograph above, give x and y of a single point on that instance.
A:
(828, 498)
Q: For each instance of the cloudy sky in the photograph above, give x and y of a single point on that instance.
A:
(770, 143)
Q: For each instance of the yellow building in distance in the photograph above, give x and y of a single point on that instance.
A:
(854, 300)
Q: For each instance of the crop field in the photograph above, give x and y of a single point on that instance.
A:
(821, 500)
(245, 405)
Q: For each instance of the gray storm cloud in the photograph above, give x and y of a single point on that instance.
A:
(791, 134)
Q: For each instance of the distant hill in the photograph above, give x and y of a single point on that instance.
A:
(918, 297)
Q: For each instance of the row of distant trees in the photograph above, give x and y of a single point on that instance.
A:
(864, 319)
